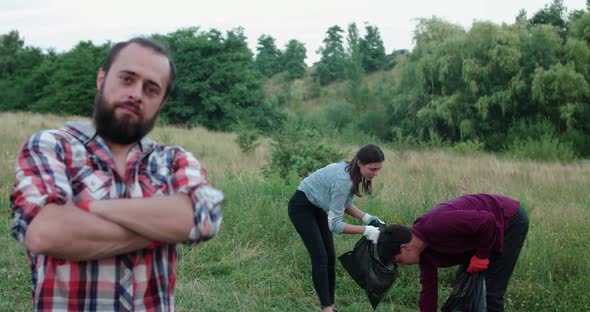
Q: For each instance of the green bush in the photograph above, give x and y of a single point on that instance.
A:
(468, 147)
(339, 114)
(375, 122)
(525, 129)
(546, 148)
(247, 140)
(300, 150)
(580, 141)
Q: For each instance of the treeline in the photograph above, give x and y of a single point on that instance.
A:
(506, 86)
(218, 85)
(520, 88)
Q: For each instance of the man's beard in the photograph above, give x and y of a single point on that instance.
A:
(123, 130)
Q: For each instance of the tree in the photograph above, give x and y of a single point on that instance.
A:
(10, 45)
(268, 58)
(521, 17)
(543, 47)
(353, 50)
(71, 81)
(332, 64)
(552, 14)
(355, 72)
(17, 62)
(294, 59)
(218, 86)
(562, 95)
(372, 50)
(580, 27)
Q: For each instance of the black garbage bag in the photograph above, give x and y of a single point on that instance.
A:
(368, 271)
(469, 294)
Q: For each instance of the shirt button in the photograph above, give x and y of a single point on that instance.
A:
(164, 171)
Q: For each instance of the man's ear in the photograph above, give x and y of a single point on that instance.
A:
(100, 77)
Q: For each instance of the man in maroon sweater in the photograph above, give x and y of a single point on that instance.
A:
(482, 231)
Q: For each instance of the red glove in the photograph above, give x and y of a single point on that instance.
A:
(476, 264)
(155, 244)
(85, 205)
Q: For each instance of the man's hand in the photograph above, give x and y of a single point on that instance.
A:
(476, 264)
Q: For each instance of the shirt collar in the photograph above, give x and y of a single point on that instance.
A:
(85, 132)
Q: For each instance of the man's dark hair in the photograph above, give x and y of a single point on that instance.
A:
(367, 154)
(390, 240)
(147, 43)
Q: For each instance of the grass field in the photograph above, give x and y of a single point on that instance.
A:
(258, 262)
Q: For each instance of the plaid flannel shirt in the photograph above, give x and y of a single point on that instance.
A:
(73, 164)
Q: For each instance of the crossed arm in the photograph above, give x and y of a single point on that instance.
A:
(47, 222)
(113, 227)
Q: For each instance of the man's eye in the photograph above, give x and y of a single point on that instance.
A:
(152, 91)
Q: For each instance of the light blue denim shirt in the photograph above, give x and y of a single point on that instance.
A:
(330, 188)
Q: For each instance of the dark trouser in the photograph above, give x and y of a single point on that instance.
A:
(311, 222)
(502, 264)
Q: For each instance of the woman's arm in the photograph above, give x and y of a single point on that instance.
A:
(353, 211)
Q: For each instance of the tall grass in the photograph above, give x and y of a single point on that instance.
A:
(258, 262)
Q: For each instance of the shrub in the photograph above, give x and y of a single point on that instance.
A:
(468, 147)
(524, 129)
(339, 114)
(546, 148)
(375, 122)
(300, 150)
(247, 140)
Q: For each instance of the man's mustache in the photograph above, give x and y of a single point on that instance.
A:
(136, 109)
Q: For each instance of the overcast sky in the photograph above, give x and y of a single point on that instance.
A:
(61, 24)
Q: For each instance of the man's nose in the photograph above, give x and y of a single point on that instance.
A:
(135, 93)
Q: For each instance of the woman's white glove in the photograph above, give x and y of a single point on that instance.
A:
(371, 233)
(367, 219)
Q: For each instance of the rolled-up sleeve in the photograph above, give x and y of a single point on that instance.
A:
(40, 180)
(340, 199)
(190, 178)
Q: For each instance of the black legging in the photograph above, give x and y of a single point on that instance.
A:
(502, 263)
(311, 222)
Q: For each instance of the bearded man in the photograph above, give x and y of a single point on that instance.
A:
(100, 208)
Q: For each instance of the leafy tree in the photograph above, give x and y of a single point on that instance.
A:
(300, 150)
(372, 49)
(268, 58)
(543, 47)
(17, 63)
(71, 80)
(552, 14)
(332, 64)
(521, 17)
(218, 86)
(294, 59)
(354, 70)
(580, 27)
(10, 45)
(562, 95)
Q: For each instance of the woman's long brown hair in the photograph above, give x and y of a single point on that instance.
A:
(367, 154)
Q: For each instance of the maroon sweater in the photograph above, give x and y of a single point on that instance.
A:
(456, 230)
